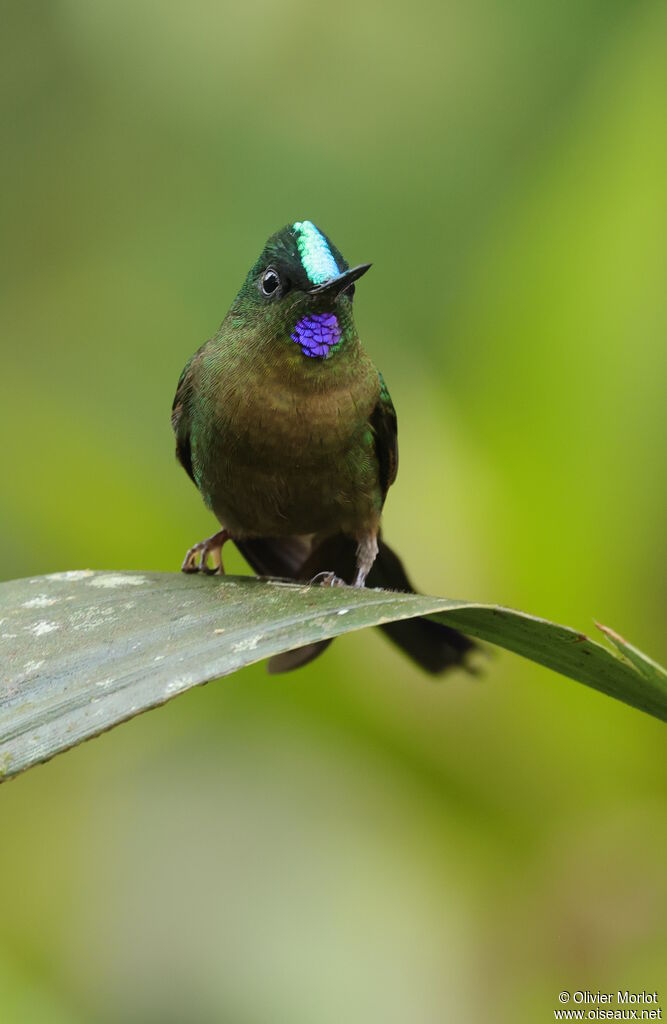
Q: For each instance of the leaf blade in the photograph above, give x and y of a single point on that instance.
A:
(81, 652)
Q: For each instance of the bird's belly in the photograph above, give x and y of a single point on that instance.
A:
(296, 496)
(277, 461)
(297, 476)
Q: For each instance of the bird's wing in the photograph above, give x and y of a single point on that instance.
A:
(180, 419)
(385, 432)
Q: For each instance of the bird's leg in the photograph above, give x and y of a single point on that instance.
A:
(367, 550)
(196, 559)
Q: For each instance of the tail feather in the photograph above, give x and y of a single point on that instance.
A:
(275, 556)
(434, 646)
(298, 657)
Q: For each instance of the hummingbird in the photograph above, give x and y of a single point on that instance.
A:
(290, 435)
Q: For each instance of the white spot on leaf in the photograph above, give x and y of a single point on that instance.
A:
(178, 684)
(117, 579)
(32, 666)
(91, 618)
(246, 645)
(41, 601)
(43, 627)
(71, 575)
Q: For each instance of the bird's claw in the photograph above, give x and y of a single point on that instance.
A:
(196, 559)
(328, 579)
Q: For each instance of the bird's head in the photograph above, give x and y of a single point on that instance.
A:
(299, 292)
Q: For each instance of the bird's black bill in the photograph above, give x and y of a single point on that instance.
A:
(337, 285)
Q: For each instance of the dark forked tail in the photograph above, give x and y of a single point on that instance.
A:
(433, 646)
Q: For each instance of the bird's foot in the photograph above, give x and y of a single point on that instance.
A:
(196, 560)
(328, 579)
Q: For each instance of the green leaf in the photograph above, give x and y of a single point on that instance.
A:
(648, 668)
(82, 651)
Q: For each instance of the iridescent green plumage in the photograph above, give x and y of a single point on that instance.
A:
(289, 432)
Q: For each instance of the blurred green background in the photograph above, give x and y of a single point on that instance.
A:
(353, 842)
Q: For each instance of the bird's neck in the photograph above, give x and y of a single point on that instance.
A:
(270, 358)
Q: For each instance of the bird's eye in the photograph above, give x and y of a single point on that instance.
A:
(270, 281)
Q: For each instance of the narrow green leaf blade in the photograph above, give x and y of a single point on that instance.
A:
(646, 666)
(83, 651)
